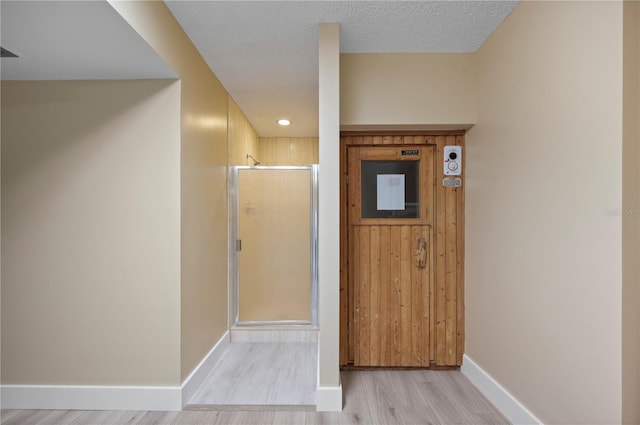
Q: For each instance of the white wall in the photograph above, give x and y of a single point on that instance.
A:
(543, 252)
(91, 236)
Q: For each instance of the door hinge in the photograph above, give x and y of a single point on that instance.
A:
(238, 244)
(347, 179)
(348, 328)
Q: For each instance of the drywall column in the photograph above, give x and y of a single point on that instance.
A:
(329, 392)
(630, 212)
(203, 186)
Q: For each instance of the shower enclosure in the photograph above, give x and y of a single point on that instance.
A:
(274, 245)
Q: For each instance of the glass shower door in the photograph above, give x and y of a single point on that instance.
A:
(274, 245)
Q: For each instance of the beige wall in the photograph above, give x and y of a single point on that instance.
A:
(295, 151)
(91, 237)
(631, 217)
(421, 91)
(95, 264)
(543, 251)
(203, 180)
(243, 139)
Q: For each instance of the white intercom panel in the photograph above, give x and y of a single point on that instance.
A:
(452, 160)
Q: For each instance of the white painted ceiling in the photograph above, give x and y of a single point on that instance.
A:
(264, 52)
(73, 40)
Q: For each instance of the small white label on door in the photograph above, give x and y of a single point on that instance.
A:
(390, 192)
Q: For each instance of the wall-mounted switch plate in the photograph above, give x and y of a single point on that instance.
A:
(452, 160)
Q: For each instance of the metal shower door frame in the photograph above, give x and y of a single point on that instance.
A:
(234, 275)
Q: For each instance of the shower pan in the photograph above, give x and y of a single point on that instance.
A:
(273, 246)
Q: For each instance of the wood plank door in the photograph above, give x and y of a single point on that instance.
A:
(390, 241)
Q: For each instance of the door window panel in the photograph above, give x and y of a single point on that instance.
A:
(390, 189)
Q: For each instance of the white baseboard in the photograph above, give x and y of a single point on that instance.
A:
(329, 399)
(85, 397)
(510, 407)
(65, 397)
(191, 384)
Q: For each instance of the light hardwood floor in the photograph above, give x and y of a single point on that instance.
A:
(273, 374)
(370, 397)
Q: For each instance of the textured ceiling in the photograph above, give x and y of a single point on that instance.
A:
(67, 40)
(265, 52)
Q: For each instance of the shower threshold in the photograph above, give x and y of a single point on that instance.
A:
(274, 333)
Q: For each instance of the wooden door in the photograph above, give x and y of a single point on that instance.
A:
(391, 199)
(379, 309)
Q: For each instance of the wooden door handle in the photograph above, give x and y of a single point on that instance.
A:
(421, 253)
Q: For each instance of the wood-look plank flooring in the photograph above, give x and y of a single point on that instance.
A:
(370, 397)
(261, 374)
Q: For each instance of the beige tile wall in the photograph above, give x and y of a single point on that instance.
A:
(243, 139)
(288, 150)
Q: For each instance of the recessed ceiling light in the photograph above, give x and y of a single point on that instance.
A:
(284, 122)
